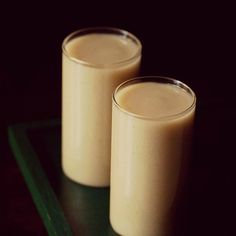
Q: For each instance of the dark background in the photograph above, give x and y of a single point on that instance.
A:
(192, 42)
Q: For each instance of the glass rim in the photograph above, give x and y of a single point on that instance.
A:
(103, 29)
(157, 79)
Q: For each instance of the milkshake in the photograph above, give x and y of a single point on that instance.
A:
(95, 62)
(151, 133)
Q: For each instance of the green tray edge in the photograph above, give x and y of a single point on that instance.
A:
(43, 196)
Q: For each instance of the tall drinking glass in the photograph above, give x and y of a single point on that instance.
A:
(152, 123)
(95, 61)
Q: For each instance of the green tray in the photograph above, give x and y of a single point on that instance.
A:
(65, 207)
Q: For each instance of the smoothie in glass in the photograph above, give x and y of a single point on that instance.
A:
(95, 62)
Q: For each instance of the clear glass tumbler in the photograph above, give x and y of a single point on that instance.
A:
(95, 62)
(152, 124)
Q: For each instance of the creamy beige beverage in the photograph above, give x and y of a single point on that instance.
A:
(151, 133)
(95, 61)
